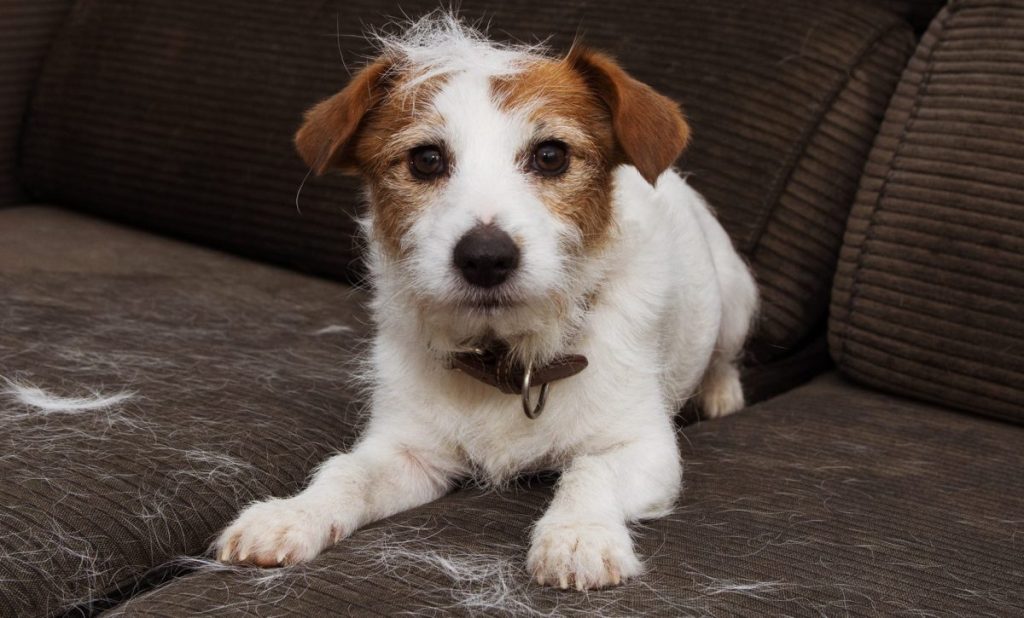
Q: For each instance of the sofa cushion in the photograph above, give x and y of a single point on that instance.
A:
(929, 295)
(178, 116)
(830, 499)
(225, 378)
(28, 29)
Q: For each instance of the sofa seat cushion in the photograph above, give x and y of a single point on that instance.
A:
(830, 499)
(225, 381)
(178, 115)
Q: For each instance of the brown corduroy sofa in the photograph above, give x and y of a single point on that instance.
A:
(160, 240)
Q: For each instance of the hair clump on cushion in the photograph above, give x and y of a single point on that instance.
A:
(47, 403)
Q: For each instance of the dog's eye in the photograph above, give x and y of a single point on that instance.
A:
(550, 158)
(426, 162)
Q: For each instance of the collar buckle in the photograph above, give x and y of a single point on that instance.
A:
(529, 409)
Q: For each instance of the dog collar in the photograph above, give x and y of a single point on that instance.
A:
(496, 366)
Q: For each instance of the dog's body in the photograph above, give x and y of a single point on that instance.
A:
(608, 256)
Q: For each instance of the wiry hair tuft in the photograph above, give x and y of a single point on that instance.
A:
(442, 43)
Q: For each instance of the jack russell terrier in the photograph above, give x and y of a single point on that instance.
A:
(547, 293)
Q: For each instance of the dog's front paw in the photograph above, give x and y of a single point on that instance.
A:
(584, 555)
(278, 533)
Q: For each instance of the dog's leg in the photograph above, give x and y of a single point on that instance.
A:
(583, 539)
(720, 391)
(384, 474)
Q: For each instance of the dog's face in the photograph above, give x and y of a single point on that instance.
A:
(490, 178)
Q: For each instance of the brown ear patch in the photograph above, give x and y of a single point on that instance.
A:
(563, 107)
(404, 119)
(649, 127)
(327, 136)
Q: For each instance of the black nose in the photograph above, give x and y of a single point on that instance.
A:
(486, 256)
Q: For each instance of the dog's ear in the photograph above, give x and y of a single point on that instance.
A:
(327, 137)
(649, 127)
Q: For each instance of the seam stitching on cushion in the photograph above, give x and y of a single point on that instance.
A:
(922, 90)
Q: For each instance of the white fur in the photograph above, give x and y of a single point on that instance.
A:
(670, 305)
(439, 43)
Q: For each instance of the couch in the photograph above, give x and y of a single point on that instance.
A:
(169, 269)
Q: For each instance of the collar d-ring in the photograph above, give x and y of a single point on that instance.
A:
(532, 410)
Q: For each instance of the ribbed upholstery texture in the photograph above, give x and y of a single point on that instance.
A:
(238, 382)
(929, 294)
(27, 28)
(178, 116)
(825, 501)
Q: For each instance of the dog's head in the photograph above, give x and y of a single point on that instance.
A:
(489, 171)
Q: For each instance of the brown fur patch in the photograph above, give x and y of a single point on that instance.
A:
(402, 121)
(562, 106)
(649, 127)
(368, 128)
(326, 137)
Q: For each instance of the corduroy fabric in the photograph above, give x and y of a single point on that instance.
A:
(829, 500)
(178, 116)
(26, 31)
(929, 294)
(794, 250)
(239, 381)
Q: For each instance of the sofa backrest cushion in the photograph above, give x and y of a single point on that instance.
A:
(178, 115)
(26, 31)
(929, 292)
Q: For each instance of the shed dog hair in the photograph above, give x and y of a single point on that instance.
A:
(522, 201)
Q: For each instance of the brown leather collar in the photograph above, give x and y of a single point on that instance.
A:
(497, 367)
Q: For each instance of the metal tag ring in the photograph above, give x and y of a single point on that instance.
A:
(529, 408)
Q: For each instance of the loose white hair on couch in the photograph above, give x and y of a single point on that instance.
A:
(44, 402)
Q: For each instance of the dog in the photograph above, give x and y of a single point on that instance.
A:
(547, 294)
